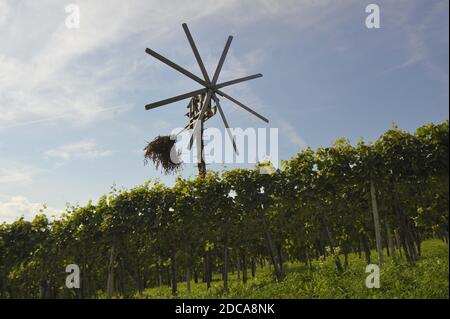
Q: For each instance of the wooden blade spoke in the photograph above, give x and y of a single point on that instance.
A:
(196, 53)
(236, 81)
(174, 99)
(225, 122)
(247, 78)
(242, 105)
(176, 66)
(222, 60)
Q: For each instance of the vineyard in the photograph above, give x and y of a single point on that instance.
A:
(379, 202)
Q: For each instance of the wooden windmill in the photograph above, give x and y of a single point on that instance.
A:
(200, 106)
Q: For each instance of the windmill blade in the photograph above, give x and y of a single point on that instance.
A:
(196, 53)
(225, 122)
(174, 99)
(247, 78)
(200, 117)
(175, 66)
(222, 60)
(242, 105)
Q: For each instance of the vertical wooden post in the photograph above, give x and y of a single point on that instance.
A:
(376, 220)
(110, 282)
(207, 270)
(201, 163)
(278, 272)
(188, 279)
(337, 260)
(390, 241)
(174, 272)
(398, 243)
(225, 266)
(244, 267)
(238, 265)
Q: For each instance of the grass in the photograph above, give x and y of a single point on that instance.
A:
(427, 278)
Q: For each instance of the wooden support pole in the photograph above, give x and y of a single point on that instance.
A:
(376, 221)
(390, 241)
(110, 282)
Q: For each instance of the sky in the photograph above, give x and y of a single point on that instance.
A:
(72, 117)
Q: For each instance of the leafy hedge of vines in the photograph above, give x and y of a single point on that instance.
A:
(318, 204)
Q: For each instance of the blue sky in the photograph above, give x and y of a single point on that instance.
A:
(72, 118)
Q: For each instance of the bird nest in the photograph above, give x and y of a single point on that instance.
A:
(162, 153)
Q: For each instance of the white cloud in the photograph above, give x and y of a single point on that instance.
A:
(419, 33)
(86, 149)
(48, 71)
(19, 206)
(289, 132)
(4, 11)
(15, 174)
